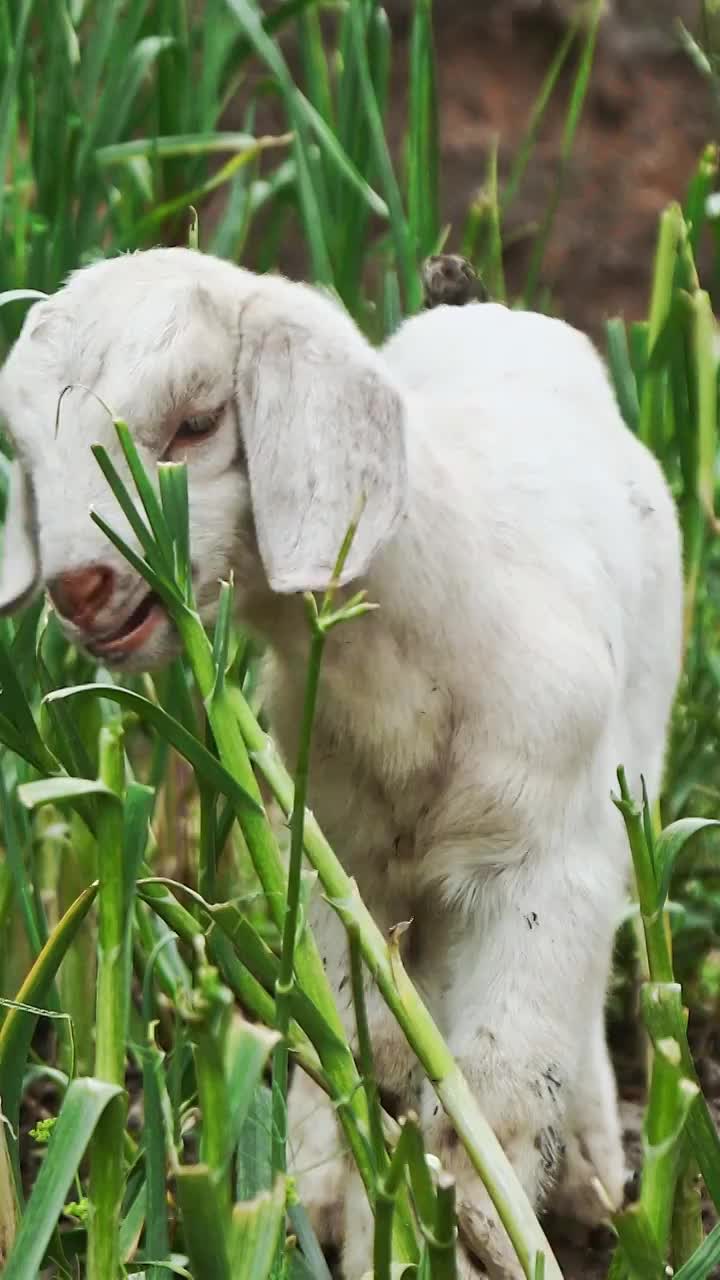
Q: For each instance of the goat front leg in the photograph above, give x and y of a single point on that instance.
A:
(526, 997)
(593, 1175)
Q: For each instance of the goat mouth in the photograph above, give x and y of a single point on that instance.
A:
(134, 632)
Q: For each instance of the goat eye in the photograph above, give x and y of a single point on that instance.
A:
(194, 430)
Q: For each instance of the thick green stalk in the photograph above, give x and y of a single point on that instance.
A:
(107, 1178)
(675, 1119)
(422, 1034)
(388, 1189)
(255, 827)
(687, 1226)
(572, 120)
(285, 980)
(442, 1248)
(336, 1057)
(77, 976)
(9, 1209)
(423, 1190)
(658, 951)
(660, 1173)
(207, 851)
(660, 1170)
(208, 1068)
(206, 1011)
(651, 400)
(705, 369)
(245, 986)
(365, 1052)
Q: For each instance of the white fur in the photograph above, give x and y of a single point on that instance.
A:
(528, 641)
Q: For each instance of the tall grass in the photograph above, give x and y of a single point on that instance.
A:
(111, 128)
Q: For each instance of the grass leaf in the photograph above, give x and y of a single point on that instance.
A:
(82, 1108)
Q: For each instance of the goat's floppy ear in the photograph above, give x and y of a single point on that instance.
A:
(323, 430)
(19, 565)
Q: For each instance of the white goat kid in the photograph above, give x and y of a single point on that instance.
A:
(524, 550)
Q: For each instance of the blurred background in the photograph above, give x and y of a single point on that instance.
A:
(649, 111)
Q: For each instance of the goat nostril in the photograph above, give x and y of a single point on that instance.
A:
(81, 593)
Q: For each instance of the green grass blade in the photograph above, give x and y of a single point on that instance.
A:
(221, 636)
(701, 186)
(247, 1054)
(157, 1240)
(58, 790)
(15, 857)
(491, 262)
(423, 195)
(16, 709)
(311, 1251)
(18, 1026)
(255, 1233)
(204, 1223)
(8, 97)
(111, 117)
(638, 1244)
(9, 1207)
(11, 737)
(207, 766)
(137, 812)
(341, 161)
(651, 398)
(131, 1225)
(664, 1017)
(162, 212)
(524, 151)
(391, 303)
(249, 18)
(83, 1106)
(572, 120)
(157, 518)
(184, 144)
(400, 230)
(351, 215)
(273, 22)
(669, 845)
(97, 49)
(315, 64)
(253, 1162)
(144, 534)
(160, 584)
(701, 1265)
(704, 340)
(622, 372)
(172, 480)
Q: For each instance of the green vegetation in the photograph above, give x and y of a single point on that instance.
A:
(145, 895)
